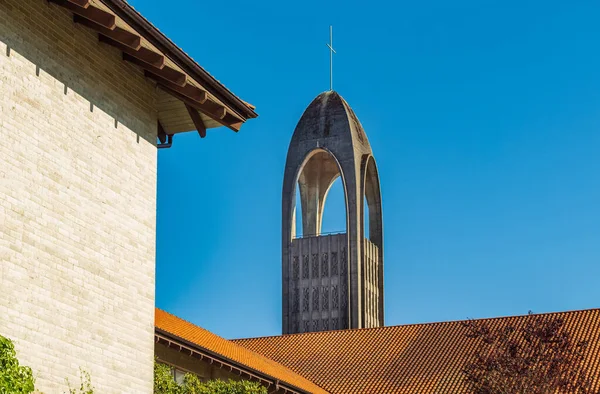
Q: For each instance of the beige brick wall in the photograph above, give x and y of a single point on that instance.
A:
(77, 203)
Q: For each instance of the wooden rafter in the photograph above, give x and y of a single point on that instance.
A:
(197, 119)
(103, 18)
(168, 73)
(166, 140)
(233, 124)
(188, 90)
(172, 81)
(118, 34)
(81, 3)
(144, 54)
(160, 132)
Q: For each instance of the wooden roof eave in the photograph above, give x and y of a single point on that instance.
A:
(182, 344)
(158, 66)
(183, 60)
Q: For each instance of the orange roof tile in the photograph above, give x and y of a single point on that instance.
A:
(415, 359)
(231, 351)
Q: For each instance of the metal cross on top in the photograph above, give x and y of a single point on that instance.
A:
(331, 52)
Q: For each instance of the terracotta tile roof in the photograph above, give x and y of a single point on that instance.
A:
(230, 351)
(415, 359)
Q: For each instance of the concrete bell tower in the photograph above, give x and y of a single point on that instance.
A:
(331, 282)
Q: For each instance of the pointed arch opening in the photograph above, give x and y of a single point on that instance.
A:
(319, 194)
(372, 204)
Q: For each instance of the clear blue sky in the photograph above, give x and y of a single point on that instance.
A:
(484, 117)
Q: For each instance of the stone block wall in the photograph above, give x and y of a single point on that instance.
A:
(77, 203)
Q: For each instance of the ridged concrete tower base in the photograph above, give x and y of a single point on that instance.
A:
(333, 281)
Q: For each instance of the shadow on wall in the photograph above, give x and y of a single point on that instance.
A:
(85, 67)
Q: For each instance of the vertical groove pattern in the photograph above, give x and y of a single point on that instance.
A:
(318, 261)
(371, 284)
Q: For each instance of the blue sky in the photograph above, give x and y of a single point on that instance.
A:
(484, 117)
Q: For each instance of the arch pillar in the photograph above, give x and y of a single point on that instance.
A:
(373, 255)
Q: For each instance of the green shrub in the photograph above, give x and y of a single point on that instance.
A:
(14, 378)
(164, 383)
(192, 385)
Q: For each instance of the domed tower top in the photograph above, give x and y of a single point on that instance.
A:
(331, 281)
(330, 116)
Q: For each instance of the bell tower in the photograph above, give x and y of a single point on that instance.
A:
(331, 282)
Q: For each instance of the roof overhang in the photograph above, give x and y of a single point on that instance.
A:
(189, 98)
(193, 350)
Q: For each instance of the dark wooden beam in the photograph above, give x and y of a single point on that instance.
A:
(81, 3)
(201, 107)
(166, 72)
(222, 113)
(160, 133)
(118, 34)
(198, 95)
(94, 14)
(197, 119)
(216, 109)
(144, 54)
(236, 126)
(168, 144)
(232, 118)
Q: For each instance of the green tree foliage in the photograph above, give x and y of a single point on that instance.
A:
(14, 378)
(165, 384)
(539, 357)
(193, 386)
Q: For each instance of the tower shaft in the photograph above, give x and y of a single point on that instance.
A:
(331, 281)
